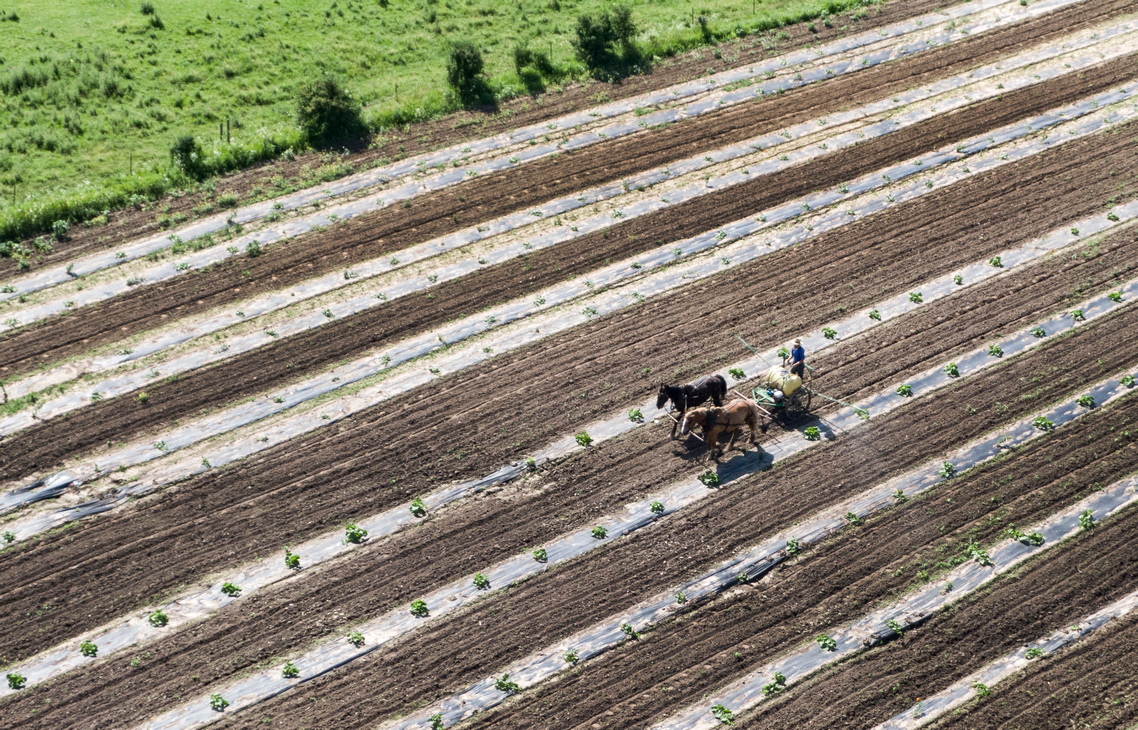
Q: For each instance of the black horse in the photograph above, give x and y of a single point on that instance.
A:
(691, 395)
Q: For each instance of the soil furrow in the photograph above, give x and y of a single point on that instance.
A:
(122, 419)
(404, 566)
(491, 196)
(1041, 597)
(1091, 685)
(449, 655)
(254, 505)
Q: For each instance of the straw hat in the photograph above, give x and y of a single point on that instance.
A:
(797, 341)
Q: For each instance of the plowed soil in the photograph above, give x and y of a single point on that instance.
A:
(474, 202)
(1090, 685)
(123, 418)
(1047, 594)
(251, 506)
(128, 223)
(587, 590)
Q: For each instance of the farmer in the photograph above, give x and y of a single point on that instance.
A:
(797, 359)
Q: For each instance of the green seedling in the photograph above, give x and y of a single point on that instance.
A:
(657, 507)
(356, 639)
(904, 390)
(981, 688)
(571, 657)
(481, 582)
(289, 671)
(775, 687)
(1043, 424)
(743, 578)
(158, 619)
(681, 597)
(811, 433)
(1086, 401)
(853, 519)
(782, 353)
(723, 715)
(875, 315)
(1077, 315)
(1038, 331)
(292, 560)
(978, 554)
(540, 555)
(1127, 380)
(947, 470)
(635, 415)
(437, 721)
(915, 297)
(418, 508)
(861, 413)
(507, 685)
(16, 680)
(952, 370)
(143, 397)
(1114, 296)
(1087, 520)
(8, 537)
(895, 626)
(829, 333)
(217, 703)
(900, 496)
(1035, 539)
(996, 261)
(583, 439)
(1033, 653)
(599, 532)
(995, 351)
(419, 608)
(230, 589)
(1074, 231)
(958, 280)
(828, 643)
(737, 373)
(1112, 217)
(354, 533)
(792, 546)
(89, 649)
(629, 631)
(709, 478)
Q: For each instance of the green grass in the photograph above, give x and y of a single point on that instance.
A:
(93, 92)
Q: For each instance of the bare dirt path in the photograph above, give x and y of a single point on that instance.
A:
(123, 419)
(471, 203)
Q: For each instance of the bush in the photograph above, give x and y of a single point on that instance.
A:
(186, 154)
(597, 41)
(60, 228)
(464, 72)
(327, 112)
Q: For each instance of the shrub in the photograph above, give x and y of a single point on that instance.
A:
(253, 249)
(89, 649)
(947, 470)
(60, 228)
(327, 112)
(147, 9)
(604, 43)
(465, 72)
(187, 156)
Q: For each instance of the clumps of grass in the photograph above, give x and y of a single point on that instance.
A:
(915, 297)
(143, 397)
(792, 546)
(875, 315)
(981, 688)
(895, 626)
(9, 537)
(1033, 653)
(583, 439)
(977, 553)
(419, 608)
(599, 532)
(1127, 381)
(709, 478)
(158, 619)
(1114, 296)
(230, 589)
(1078, 316)
(812, 433)
(1038, 331)
(958, 280)
(354, 533)
(1035, 539)
(996, 261)
(571, 656)
(89, 649)
(629, 631)
(853, 519)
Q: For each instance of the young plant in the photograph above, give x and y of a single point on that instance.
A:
(1077, 315)
(354, 533)
(827, 642)
(599, 532)
(1115, 296)
(1033, 653)
(915, 297)
(507, 685)
(895, 626)
(89, 649)
(904, 390)
(900, 496)
(811, 433)
(947, 470)
(723, 714)
(1087, 520)
(1086, 401)
(853, 519)
(775, 687)
(356, 639)
(875, 315)
(481, 582)
(1038, 331)
(418, 508)
(792, 546)
(709, 478)
(419, 608)
(629, 631)
(737, 373)
(995, 351)
(862, 413)
(16, 680)
(782, 353)
(583, 439)
(290, 671)
(1127, 380)
(230, 589)
(1043, 424)
(143, 397)
(981, 688)
(952, 370)
(978, 554)
(292, 560)
(571, 657)
(158, 619)
(217, 703)
(958, 280)
(657, 507)
(540, 555)
(437, 721)
(996, 261)
(635, 415)
(681, 597)
(8, 537)
(829, 333)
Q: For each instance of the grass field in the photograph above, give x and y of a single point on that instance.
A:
(93, 93)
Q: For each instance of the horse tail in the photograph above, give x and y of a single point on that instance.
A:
(719, 390)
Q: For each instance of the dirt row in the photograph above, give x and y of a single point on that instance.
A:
(129, 223)
(447, 656)
(491, 196)
(477, 420)
(1091, 685)
(464, 540)
(122, 419)
(838, 581)
(1043, 596)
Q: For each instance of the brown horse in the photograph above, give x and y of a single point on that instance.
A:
(691, 395)
(729, 419)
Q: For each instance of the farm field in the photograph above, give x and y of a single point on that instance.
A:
(388, 453)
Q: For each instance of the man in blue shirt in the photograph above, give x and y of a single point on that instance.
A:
(798, 359)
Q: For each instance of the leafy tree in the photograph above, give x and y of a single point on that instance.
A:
(327, 112)
(465, 68)
(604, 42)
